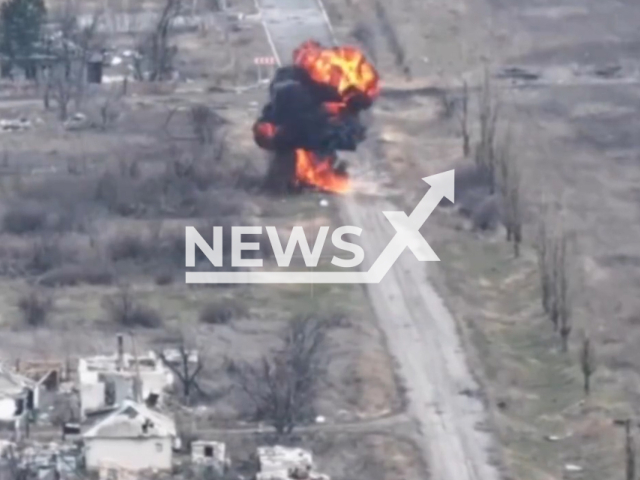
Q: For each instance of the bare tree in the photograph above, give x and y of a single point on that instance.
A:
(70, 49)
(543, 253)
(156, 48)
(556, 261)
(463, 118)
(186, 367)
(508, 179)
(562, 278)
(587, 362)
(35, 307)
(489, 108)
(283, 387)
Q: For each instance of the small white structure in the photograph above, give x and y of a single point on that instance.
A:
(286, 463)
(209, 453)
(133, 437)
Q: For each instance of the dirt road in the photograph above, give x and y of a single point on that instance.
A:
(422, 336)
(420, 331)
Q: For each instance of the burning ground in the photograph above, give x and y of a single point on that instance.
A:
(313, 113)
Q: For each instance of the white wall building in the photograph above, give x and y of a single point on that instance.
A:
(132, 438)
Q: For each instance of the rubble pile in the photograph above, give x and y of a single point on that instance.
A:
(286, 463)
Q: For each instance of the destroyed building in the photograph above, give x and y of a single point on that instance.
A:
(286, 463)
(108, 380)
(19, 398)
(209, 454)
(131, 438)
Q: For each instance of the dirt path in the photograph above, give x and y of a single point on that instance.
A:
(422, 336)
(364, 426)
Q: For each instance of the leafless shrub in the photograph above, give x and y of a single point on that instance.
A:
(35, 308)
(79, 274)
(117, 194)
(587, 363)
(130, 247)
(44, 254)
(485, 150)
(283, 387)
(485, 214)
(223, 311)
(23, 219)
(509, 182)
(28, 217)
(65, 200)
(205, 123)
(164, 278)
(110, 108)
(127, 312)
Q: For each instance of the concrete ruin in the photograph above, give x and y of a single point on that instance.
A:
(41, 460)
(286, 463)
(209, 453)
(108, 380)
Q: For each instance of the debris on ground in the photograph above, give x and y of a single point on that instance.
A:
(286, 463)
(14, 125)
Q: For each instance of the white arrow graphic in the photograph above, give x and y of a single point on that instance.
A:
(407, 236)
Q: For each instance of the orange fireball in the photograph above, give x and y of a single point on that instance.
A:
(344, 68)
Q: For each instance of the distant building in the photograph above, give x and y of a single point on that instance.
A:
(132, 438)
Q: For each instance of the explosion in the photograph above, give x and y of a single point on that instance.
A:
(313, 113)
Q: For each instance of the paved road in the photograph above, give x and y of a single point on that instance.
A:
(420, 331)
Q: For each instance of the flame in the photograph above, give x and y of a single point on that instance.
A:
(344, 68)
(319, 173)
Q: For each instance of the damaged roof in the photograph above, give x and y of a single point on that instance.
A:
(133, 420)
(12, 384)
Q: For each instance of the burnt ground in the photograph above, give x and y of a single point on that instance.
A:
(575, 125)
